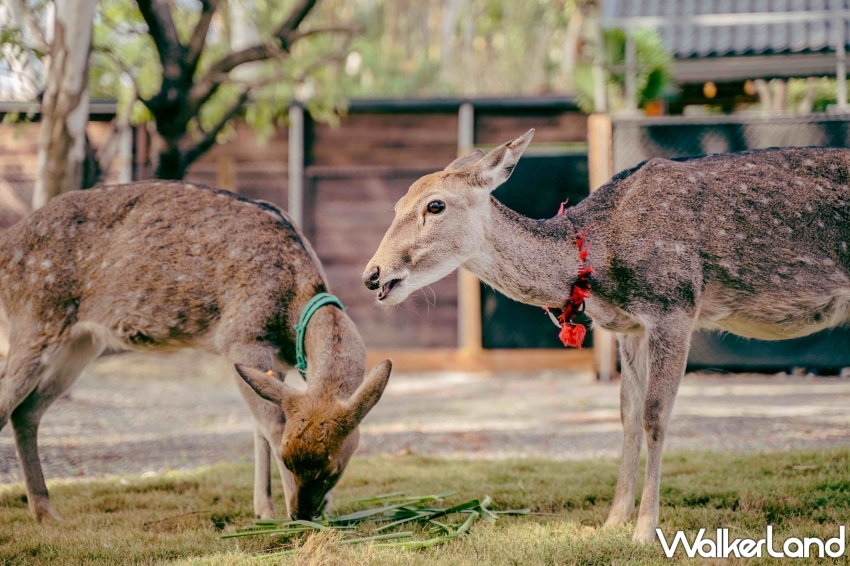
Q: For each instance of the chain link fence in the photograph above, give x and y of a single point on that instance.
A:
(638, 139)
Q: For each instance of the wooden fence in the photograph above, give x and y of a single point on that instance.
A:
(348, 177)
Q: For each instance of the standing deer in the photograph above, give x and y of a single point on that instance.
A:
(753, 243)
(167, 265)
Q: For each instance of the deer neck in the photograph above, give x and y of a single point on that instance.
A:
(531, 261)
(336, 355)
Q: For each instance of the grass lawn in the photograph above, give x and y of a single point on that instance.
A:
(178, 516)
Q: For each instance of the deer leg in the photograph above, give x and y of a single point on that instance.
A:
(263, 505)
(268, 424)
(668, 343)
(57, 376)
(22, 373)
(18, 380)
(288, 481)
(286, 477)
(632, 393)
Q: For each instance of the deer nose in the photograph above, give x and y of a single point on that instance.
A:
(371, 278)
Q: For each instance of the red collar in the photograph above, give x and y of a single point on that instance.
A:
(572, 333)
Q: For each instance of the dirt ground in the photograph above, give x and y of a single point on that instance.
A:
(138, 414)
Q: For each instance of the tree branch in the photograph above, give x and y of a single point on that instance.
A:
(109, 150)
(295, 18)
(283, 39)
(23, 18)
(335, 57)
(348, 30)
(161, 28)
(199, 37)
(115, 59)
(194, 152)
(123, 30)
(206, 86)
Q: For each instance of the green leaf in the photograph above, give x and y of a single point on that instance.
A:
(442, 526)
(366, 513)
(377, 498)
(418, 544)
(456, 509)
(468, 523)
(268, 532)
(389, 536)
(408, 510)
(486, 513)
(416, 517)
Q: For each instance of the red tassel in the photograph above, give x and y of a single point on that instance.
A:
(580, 239)
(572, 334)
(577, 298)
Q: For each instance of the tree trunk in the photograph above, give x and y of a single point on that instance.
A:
(65, 106)
(571, 47)
(448, 32)
(171, 165)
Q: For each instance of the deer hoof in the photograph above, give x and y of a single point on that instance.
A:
(644, 533)
(43, 512)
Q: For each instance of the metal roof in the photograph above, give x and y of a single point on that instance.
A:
(720, 28)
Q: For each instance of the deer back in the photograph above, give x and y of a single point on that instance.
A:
(743, 230)
(160, 263)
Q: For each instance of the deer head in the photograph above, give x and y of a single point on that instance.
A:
(321, 432)
(440, 223)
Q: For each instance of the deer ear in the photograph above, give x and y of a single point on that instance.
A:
(496, 167)
(369, 393)
(465, 161)
(268, 387)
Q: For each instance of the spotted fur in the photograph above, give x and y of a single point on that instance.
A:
(753, 243)
(164, 265)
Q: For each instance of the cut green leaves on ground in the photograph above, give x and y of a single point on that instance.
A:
(395, 510)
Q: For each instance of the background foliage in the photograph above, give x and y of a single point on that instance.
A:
(400, 48)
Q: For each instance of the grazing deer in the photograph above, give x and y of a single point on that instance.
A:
(165, 265)
(752, 243)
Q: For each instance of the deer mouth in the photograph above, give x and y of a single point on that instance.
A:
(387, 288)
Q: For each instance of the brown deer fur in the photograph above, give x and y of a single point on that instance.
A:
(753, 243)
(166, 265)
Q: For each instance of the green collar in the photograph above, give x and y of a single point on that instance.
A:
(313, 305)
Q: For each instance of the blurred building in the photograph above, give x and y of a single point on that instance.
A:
(722, 49)
(725, 56)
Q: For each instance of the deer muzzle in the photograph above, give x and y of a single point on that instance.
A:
(372, 278)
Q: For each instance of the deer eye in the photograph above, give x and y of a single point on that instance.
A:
(436, 206)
